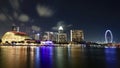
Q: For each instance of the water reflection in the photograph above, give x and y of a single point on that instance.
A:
(111, 57)
(15, 57)
(58, 57)
(37, 58)
(95, 57)
(29, 57)
(43, 57)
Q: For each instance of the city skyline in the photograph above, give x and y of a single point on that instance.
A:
(93, 17)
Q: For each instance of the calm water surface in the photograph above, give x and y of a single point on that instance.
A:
(58, 57)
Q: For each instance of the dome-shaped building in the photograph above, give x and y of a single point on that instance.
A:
(14, 36)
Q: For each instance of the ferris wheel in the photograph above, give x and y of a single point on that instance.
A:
(108, 36)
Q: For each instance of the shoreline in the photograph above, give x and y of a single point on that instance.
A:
(64, 45)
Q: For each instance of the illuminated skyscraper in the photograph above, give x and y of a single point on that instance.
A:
(50, 36)
(37, 36)
(60, 29)
(62, 37)
(77, 35)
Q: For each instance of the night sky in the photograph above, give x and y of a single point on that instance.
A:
(94, 17)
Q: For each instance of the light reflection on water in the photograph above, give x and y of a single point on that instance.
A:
(58, 57)
(111, 57)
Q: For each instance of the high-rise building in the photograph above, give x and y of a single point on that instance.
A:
(60, 29)
(76, 35)
(62, 37)
(54, 36)
(37, 36)
(50, 36)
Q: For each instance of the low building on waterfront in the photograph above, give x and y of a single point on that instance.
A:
(14, 36)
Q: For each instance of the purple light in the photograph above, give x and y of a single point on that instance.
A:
(38, 34)
(47, 42)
